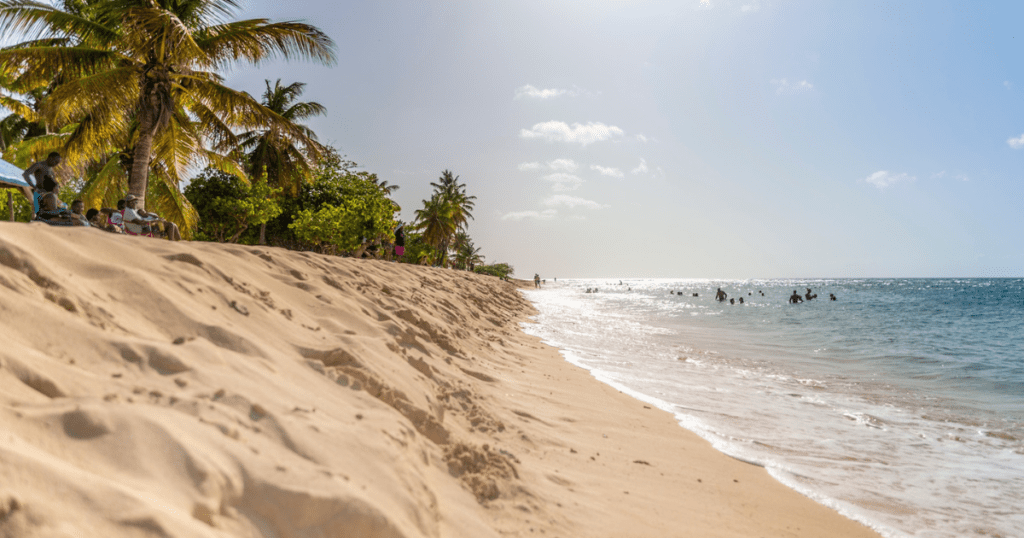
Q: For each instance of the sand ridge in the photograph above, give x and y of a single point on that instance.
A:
(152, 388)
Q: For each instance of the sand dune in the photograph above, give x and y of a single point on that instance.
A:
(150, 388)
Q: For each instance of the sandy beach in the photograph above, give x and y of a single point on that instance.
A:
(150, 388)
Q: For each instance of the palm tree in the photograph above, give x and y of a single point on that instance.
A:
(286, 159)
(435, 221)
(145, 70)
(451, 195)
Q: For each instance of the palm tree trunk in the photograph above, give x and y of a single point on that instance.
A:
(138, 179)
(263, 233)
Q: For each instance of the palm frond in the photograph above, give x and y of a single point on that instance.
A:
(27, 16)
(257, 40)
(106, 186)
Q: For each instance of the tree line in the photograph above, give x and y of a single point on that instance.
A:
(130, 93)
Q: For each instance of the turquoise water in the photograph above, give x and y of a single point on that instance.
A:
(901, 404)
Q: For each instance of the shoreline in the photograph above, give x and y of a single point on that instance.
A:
(201, 389)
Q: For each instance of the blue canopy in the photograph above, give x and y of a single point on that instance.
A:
(11, 178)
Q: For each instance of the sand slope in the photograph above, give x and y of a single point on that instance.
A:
(150, 388)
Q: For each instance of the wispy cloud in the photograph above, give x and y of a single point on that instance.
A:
(942, 174)
(531, 92)
(642, 138)
(568, 165)
(884, 179)
(1016, 143)
(606, 170)
(572, 202)
(783, 86)
(1007, 84)
(538, 215)
(559, 131)
(642, 169)
(563, 181)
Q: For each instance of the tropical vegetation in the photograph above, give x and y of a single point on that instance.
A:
(129, 91)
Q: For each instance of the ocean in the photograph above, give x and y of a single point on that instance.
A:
(900, 404)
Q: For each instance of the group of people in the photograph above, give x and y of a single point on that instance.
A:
(128, 218)
(721, 296)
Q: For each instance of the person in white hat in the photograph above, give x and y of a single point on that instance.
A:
(135, 219)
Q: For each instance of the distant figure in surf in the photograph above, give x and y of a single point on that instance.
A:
(720, 295)
(795, 298)
(733, 301)
(741, 300)
(832, 297)
(695, 295)
(809, 296)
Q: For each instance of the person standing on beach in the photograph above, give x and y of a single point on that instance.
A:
(795, 298)
(536, 280)
(400, 241)
(36, 176)
(721, 295)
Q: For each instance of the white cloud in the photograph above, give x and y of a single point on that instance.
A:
(1008, 84)
(751, 7)
(1016, 143)
(563, 181)
(559, 131)
(784, 86)
(640, 169)
(883, 179)
(572, 202)
(531, 92)
(563, 164)
(642, 138)
(539, 215)
(606, 170)
(568, 165)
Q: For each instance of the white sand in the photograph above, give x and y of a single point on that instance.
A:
(150, 388)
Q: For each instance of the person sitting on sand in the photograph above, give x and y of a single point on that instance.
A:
(78, 212)
(136, 220)
(795, 298)
(100, 218)
(52, 211)
(720, 296)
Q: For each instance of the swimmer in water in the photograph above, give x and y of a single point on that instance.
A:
(795, 298)
(809, 296)
(741, 300)
(733, 301)
(832, 297)
(720, 295)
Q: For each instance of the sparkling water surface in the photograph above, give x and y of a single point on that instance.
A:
(901, 404)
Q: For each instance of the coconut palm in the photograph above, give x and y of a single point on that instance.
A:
(146, 70)
(437, 225)
(458, 206)
(286, 159)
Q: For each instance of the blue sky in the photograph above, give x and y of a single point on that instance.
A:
(690, 138)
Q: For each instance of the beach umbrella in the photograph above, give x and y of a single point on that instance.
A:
(11, 178)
